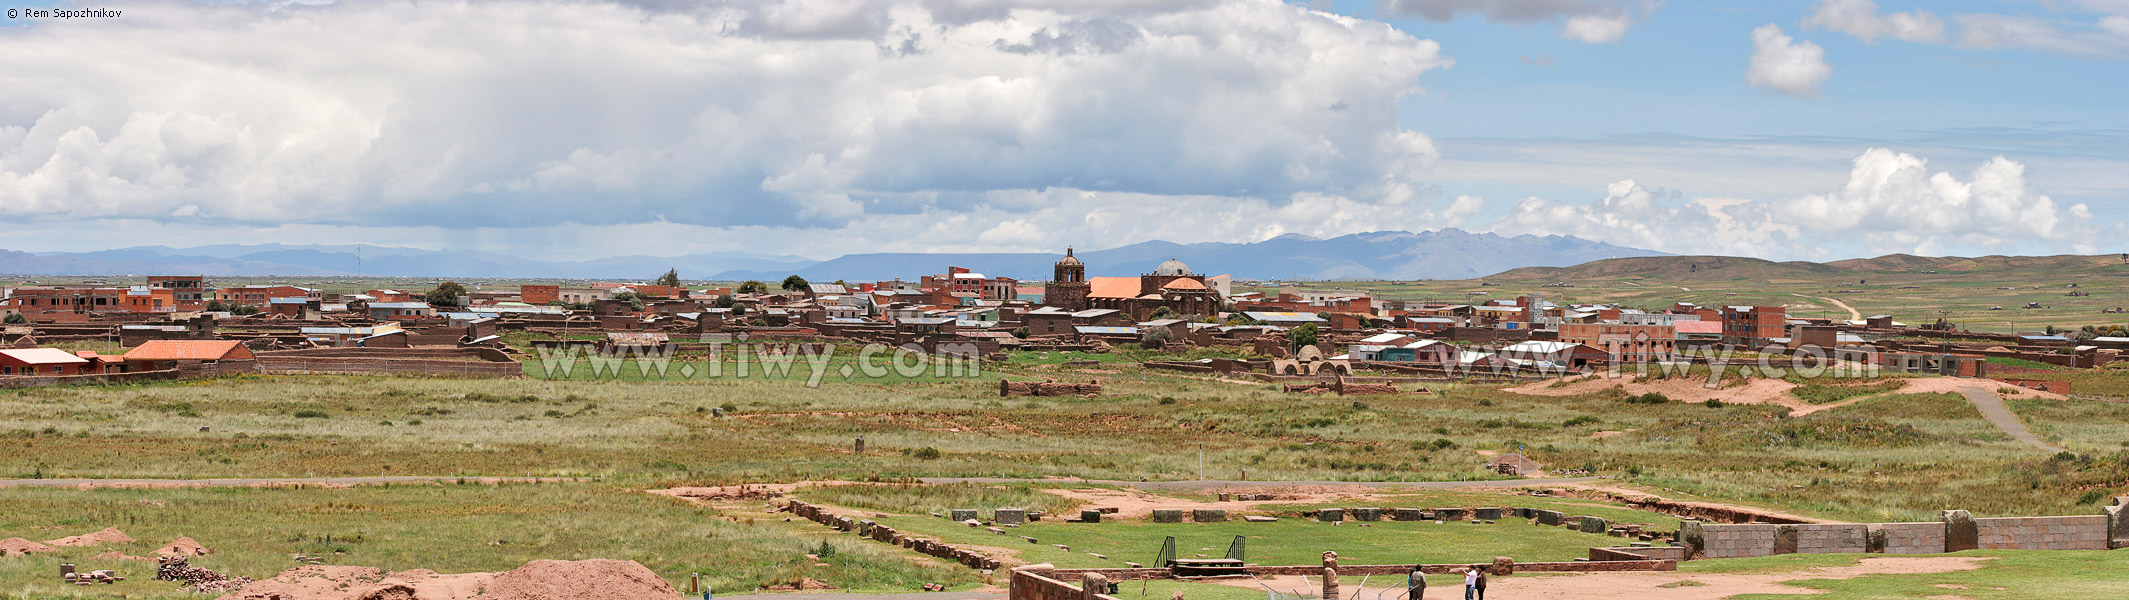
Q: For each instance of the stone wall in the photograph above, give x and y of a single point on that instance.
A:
(888, 535)
(1047, 388)
(1955, 532)
(2044, 533)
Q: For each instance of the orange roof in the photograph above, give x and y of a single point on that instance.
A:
(1112, 287)
(189, 350)
(1184, 284)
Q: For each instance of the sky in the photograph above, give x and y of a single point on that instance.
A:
(586, 128)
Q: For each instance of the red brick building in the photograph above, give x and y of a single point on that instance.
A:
(261, 296)
(539, 295)
(41, 361)
(1753, 325)
(189, 291)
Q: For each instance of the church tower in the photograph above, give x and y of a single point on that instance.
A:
(1068, 286)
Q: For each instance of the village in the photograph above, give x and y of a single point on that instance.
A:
(184, 326)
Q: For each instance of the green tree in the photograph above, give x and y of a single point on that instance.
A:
(445, 294)
(17, 319)
(794, 284)
(1305, 335)
(216, 306)
(671, 278)
(753, 287)
(1161, 313)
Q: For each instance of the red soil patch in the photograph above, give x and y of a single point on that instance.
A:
(183, 546)
(109, 535)
(17, 546)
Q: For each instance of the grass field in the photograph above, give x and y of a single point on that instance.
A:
(1896, 457)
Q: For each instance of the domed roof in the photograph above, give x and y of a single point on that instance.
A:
(1172, 267)
(1068, 259)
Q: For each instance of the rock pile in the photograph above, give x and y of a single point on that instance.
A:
(177, 568)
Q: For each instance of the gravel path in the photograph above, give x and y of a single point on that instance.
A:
(1992, 408)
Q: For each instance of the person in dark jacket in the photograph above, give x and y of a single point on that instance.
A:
(1415, 584)
(1480, 584)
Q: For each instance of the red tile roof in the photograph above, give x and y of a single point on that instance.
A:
(1184, 284)
(189, 350)
(1112, 287)
(1697, 326)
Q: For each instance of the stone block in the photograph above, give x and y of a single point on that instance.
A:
(1207, 515)
(1693, 539)
(2118, 525)
(1960, 531)
(1167, 515)
(1450, 514)
(1785, 539)
(1487, 513)
(1367, 514)
(1594, 524)
(961, 514)
(1090, 516)
(1405, 514)
(1549, 517)
(1009, 516)
(1330, 515)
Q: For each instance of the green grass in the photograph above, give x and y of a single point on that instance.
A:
(2012, 575)
(1288, 541)
(923, 499)
(447, 528)
(1827, 393)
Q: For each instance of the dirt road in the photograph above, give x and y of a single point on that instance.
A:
(1992, 408)
(1853, 314)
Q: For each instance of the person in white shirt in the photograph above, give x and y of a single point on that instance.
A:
(1471, 583)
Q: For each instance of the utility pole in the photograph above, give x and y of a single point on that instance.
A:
(1201, 461)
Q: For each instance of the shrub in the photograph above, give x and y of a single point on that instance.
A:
(1712, 403)
(926, 453)
(1649, 398)
(1581, 420)
(1444, 444)
(312, 414)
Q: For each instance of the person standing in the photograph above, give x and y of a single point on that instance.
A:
(1480, 584)
(1471, 583)
(1415, 584)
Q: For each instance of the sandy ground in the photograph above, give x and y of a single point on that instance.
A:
(1138, 504)
(1762, 390)
(1621, 586)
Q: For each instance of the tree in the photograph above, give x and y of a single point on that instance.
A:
(1160, 313)
(216, 306)
(633, 299)
(753, 287)
(445, 294)
(1154, 337)
(1305, 335)
(794, 284)
(17, 319)
(671, 278)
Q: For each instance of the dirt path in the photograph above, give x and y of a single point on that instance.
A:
(1992, 408)
(269, 481)
(1853, 314)
(1755, 391)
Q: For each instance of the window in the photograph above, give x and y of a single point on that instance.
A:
(58, 370)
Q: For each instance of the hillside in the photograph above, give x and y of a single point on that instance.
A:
(1675, 268)
(1892, 263)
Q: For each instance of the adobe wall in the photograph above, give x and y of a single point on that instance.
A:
(34, 381)
(297, 365)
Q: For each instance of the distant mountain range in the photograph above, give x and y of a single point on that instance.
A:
(1444, 254)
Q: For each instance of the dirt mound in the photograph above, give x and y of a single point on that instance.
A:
(183, 546)
(805, 584)
(14, 546)
(116, 555)
(109, 535)
(595, 579)
(537, 580)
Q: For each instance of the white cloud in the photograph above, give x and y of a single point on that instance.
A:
(1592, 21)
(805, 115)
(1889, 203)
(1785, 65)
(2106, 37)
(1597, 29)
(1860, 19)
